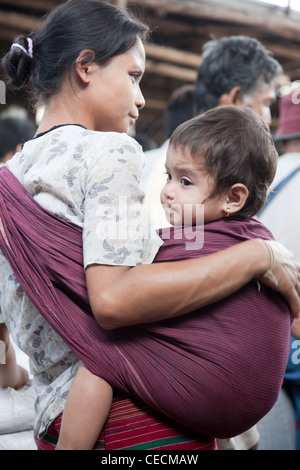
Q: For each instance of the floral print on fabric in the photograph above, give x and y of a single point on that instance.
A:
(90, 179)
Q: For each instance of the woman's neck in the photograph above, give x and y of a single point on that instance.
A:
(58, 112)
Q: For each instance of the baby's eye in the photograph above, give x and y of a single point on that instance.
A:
(168, 175)
(185, 182)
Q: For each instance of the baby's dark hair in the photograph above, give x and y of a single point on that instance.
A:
(233, 145)
(68, 30)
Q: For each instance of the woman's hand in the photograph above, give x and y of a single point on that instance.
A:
(283, 274)
(295, 330)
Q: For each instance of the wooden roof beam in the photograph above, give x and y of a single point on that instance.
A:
(45, 5)
(172, 71)
(19, 21)
(169, 54)
(283, 26)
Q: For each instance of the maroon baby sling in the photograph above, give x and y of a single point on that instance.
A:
(217, 370)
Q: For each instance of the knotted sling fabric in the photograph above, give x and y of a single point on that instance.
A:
(217, 370)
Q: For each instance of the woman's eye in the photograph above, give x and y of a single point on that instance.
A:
(135, 75)
(185, 182)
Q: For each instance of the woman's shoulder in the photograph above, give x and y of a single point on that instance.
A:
(74, 134)
(69, 148)
(115, 140)
(111, 144)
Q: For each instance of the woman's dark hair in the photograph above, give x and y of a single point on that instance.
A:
(233, 145)
(69, 29)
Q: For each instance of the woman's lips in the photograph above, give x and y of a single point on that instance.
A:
(133, 119)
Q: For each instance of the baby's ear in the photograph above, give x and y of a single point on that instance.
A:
(236, 197)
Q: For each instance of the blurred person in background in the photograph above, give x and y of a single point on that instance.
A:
(281, 430)
(14, 132)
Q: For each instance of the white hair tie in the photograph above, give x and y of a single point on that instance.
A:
(30, 47)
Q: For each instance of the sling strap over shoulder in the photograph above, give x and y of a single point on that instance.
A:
(272, 194)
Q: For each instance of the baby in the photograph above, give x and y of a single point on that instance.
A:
(223, 162)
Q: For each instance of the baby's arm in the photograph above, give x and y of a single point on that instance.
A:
(11, 374)
(87, 408)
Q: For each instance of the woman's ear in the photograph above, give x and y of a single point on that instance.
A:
(235, 199)
(83, 65)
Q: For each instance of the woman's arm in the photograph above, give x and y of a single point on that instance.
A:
(122, 296)
(11, 374)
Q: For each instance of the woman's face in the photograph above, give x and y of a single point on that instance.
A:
(114, 94)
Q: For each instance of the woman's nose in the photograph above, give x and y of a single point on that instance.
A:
(140, 100)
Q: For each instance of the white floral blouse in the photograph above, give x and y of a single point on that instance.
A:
(92, 180)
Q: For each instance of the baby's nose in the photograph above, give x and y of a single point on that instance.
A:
(168, 191)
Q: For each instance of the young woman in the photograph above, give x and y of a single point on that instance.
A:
(86, 65)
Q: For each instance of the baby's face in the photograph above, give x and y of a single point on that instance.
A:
(187, 197)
